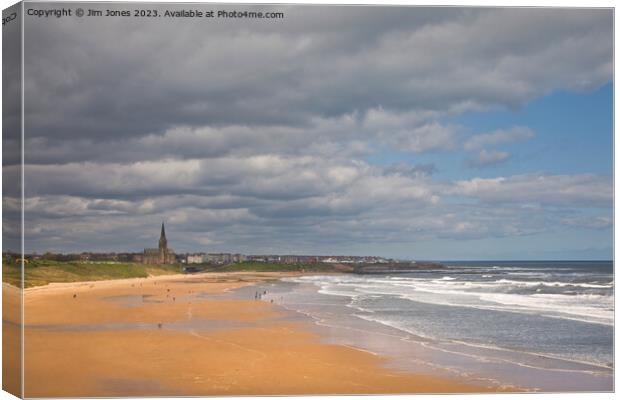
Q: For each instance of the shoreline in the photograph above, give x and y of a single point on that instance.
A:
(373, 322)
(177, 334)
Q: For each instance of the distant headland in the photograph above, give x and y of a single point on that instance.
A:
(50, 267)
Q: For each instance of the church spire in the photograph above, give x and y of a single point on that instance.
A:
(163, 246)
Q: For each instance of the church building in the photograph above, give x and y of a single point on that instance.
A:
(161, 255)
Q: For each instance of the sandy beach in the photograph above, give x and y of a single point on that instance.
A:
(180, 335)
(11, 339)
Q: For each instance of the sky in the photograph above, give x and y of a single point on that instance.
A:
(418, 133)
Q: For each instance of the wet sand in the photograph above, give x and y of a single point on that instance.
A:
(180, 335)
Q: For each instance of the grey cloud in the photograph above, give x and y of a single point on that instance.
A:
(251, 136)
(347, 136)
(344, 204)
(262, 177)
(284, 74)
(597, 222)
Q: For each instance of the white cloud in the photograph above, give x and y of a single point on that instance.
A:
(487, 158)
(498, 137)
(581, 190)
(429, 137)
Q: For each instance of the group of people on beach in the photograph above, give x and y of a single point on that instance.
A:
(259, 295)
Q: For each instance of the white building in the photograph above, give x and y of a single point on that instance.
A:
(197, 258)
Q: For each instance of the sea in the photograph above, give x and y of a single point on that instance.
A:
(543, 326)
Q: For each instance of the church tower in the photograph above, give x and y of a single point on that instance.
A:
(162, 254)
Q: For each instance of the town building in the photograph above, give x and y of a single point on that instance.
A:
(236, 258)
(219, 258)
(197, 258)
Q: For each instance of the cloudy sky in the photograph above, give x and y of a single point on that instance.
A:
(444, 133)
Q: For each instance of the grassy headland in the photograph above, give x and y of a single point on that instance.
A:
(42, 272)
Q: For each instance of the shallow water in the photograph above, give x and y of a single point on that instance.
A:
(187, 323)
(549, 327)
